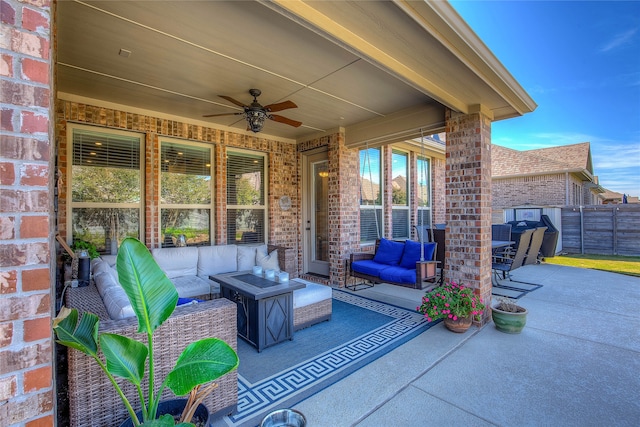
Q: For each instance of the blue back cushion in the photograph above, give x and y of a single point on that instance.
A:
(389, 252)
(411, 253)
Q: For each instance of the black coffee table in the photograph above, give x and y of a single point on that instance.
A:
(265, 307)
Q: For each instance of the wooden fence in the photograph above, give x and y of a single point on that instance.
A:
(601, 229)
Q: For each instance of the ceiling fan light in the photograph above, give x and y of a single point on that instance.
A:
(255, 120)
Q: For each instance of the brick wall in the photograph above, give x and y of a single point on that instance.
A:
(438, 170)
(343, 203)
(540, 190)
(344, 206)
(468, 203)
(282, 166)
(26, 378)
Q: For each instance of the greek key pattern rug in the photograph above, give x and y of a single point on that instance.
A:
(295, 383)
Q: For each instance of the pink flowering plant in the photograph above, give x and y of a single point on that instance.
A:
(452, 301)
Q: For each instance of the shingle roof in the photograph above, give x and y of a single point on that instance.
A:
(509, 162)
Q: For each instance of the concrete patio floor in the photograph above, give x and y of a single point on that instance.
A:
(576, 363)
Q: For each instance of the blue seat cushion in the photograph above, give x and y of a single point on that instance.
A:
(187, 301)
(389, 252)
(411, 253)
(369, 266)
(398, 275)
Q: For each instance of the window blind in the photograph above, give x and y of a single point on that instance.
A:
(105, 150)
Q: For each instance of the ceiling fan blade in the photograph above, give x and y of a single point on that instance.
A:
(280, 106)
(223, 114)
(285, 120)
(230, 99)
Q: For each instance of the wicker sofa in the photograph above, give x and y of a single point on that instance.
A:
(93, 400)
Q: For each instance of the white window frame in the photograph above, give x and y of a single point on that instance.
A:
(204, 206)
(71, 205)
(425, 210)
(364, 174)
(265, 196)
(404, 207)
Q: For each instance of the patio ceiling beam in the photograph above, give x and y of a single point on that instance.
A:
(359, 44)
(397, 127)
(442, 21)
(427, 45)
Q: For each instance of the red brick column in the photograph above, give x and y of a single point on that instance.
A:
(152, 236)
(468, 202)
(387, 193)
(344, 206)
(438, 203)
(26, 199)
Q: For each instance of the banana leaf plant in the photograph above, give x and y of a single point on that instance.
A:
(153, 298)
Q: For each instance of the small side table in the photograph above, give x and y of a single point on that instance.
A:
(427, 271)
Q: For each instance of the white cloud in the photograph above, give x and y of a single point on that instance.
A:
(616, 156)
(619, 40)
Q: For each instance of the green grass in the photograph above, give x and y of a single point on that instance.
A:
(616, 264)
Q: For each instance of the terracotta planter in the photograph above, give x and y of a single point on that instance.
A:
(508, 322)
(459, 326)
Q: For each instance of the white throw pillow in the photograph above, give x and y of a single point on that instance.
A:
(246, 257)
(269, 261)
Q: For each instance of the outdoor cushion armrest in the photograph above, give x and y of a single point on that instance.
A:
(286, 259)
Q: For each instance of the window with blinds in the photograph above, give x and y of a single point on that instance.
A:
(399, 194)
(370, 195)
(106, 186)
(185, 193)
(246, 197)
(424, 192)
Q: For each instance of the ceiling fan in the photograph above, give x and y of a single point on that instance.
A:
(255, 114)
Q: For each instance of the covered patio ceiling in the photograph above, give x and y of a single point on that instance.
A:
(383, 70)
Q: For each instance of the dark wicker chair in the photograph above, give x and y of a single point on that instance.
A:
(426, 271)
(506, 262)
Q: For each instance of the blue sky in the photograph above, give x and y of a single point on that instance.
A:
(580, 62)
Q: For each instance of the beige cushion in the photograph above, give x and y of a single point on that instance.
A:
(177, 262)
(267, 261)
(246, 257)
(217, 259)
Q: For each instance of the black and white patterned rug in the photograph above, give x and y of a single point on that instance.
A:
(360, 331)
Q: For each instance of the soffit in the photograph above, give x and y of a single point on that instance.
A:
(184, 54)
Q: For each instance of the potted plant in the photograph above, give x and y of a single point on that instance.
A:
(153, 298)
(508, 316)
(454, 303)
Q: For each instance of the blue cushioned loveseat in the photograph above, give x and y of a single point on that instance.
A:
(397, 263)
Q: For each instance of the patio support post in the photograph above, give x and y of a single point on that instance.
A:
(344, 205)
(468, 202)
(27, 247)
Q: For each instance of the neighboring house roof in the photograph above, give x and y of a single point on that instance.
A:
(575, 158)
(613, 197)
(399, 182)
(369, 191)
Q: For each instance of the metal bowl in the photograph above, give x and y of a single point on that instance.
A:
(284, 418)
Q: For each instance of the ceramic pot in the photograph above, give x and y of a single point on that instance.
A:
(461, 325)
(508, 322)
(175, 407)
